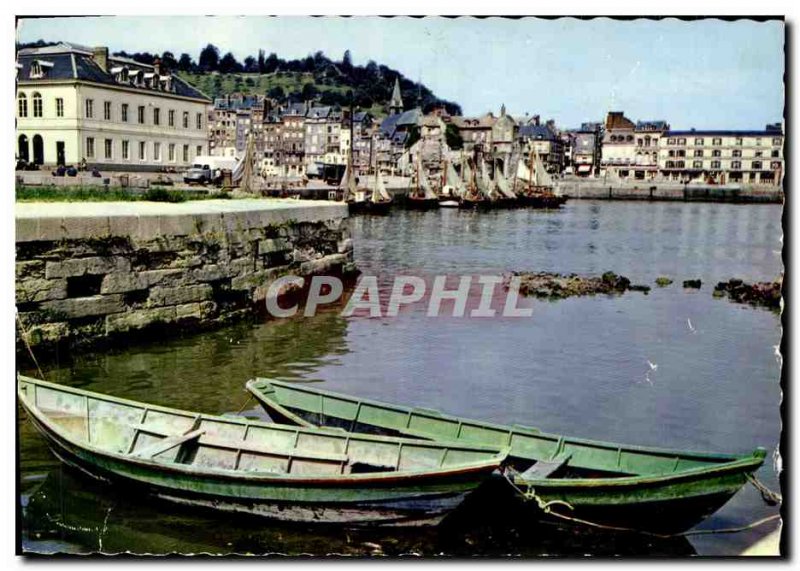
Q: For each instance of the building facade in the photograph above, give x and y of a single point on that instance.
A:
(723, 157)
(75, 103)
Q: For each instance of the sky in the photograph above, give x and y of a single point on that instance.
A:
(706, 74)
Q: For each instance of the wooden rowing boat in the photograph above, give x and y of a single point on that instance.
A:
(239, 465)
(633, 486)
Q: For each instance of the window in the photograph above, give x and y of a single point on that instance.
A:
(141, 114)
(156, 116)
(739, 142)
(775, 165)
(699, 142)
(89, 108)
(156, 151)
(776, 142)
(199, 120)
(59, 106)
(681, 141)
(670, 141)
(126, 150)
(107, 110)
(171, 118)
(171, 152)
(737, 153)
(698, 153)
(759, 153)
(756, 165)
(108, 148)
(716, 153)
(37, 104)
(758, 141)
(186, 153)
(185, 119)
(736, 165)
(776, 153)
(716, 141)
(22, 105)
(142, 151)
(90, 147)
(715, 164)
(697, 164)
(124, 113)
(199, 150)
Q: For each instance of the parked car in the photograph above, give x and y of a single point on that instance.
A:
(198, 174)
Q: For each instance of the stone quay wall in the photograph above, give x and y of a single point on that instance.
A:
(90, 272)
(615, 189)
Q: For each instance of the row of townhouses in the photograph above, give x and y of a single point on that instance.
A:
(79, 104)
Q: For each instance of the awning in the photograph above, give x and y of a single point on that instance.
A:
(584, 168)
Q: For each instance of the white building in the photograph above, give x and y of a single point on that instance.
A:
(746, 157)
(76, 103)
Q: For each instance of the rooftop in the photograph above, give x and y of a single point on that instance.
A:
(66, 61)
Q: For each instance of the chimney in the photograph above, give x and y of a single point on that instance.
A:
(157, 66)
(100, 57)
(536, 120)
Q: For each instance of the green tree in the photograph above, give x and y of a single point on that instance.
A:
(209, 58)
(453, 137)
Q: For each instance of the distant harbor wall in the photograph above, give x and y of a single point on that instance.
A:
(92, 272)
(644, 190)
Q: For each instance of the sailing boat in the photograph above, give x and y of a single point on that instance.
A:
(452, 187)
(505, 196)
(539, 191)
(472, 197)
(421, 196)
(381, 201)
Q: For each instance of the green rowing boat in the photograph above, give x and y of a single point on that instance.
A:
(238, 465)
(649, 489)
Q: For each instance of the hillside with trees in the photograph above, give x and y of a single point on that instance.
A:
(314, 77)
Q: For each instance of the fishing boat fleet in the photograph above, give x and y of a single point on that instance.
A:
(337, 459)
(473, 186)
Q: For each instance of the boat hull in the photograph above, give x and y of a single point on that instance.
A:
(421, 203)
(389, 504)
(369, 207)
(643, 488)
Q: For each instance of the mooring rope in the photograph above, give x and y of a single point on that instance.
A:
(770, 498)
(238, 412)
(24, 335)
(546, 507)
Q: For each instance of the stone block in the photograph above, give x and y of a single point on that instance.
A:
(83, 266)
(323, 265)
(179, 295)
(213, 272)
(138, 319)
(47, 333)
(188, 311)
(273, 245)
(33, 289)
(344, 246)
(29, 268)
(84, 306)
(121, 282)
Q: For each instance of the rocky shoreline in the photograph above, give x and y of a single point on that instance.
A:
(762, 294)
(547, 285)
(553, 286)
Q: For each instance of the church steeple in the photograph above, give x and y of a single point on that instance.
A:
(396, 103)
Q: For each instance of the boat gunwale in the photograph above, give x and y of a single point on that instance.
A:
(729, 462)
(52, 430)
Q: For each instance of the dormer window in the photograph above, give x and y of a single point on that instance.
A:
(120, 74)
(39, 68)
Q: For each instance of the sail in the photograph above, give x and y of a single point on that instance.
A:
(425, 185)
(523, 172)
(503, 185)
(243, 171)
(453, 181)
(543, 178)
(379, 193)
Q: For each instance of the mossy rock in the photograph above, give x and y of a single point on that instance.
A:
(663, 281)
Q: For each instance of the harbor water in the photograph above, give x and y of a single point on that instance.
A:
(673, 368)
